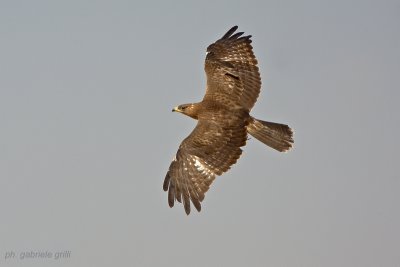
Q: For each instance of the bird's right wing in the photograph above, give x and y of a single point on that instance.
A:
(208, 151)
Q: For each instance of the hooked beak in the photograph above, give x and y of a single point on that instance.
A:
(176, 109)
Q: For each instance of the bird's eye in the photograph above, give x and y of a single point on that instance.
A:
(183, 107)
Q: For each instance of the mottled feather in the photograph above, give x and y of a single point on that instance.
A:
(233, 77)
(210, 150)
(214, 145)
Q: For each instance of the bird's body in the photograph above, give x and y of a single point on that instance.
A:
(224, 121)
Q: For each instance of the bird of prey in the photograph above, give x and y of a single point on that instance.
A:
(223, 121)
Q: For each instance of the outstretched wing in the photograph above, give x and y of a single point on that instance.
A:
(233, 78)
(210, 150)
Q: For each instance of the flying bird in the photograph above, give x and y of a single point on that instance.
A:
(223, 121)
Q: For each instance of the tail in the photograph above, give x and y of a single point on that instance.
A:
(276, 135)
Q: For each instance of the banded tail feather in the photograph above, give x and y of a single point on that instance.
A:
(275, 135)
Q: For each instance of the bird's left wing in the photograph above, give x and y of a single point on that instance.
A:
(233, 78)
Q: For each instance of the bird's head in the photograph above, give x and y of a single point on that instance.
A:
(187, 109)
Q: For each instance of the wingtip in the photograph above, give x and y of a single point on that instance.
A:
(170, 203)
(196, 203)
(234, 28)
(230, 32)
(166, 182)
(171, 196)
(187, 207)
(237, 35)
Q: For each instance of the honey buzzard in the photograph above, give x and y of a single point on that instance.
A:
(224, 122)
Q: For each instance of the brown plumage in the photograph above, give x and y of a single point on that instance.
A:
(224, 122)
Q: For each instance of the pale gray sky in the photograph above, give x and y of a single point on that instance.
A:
(87, 134)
